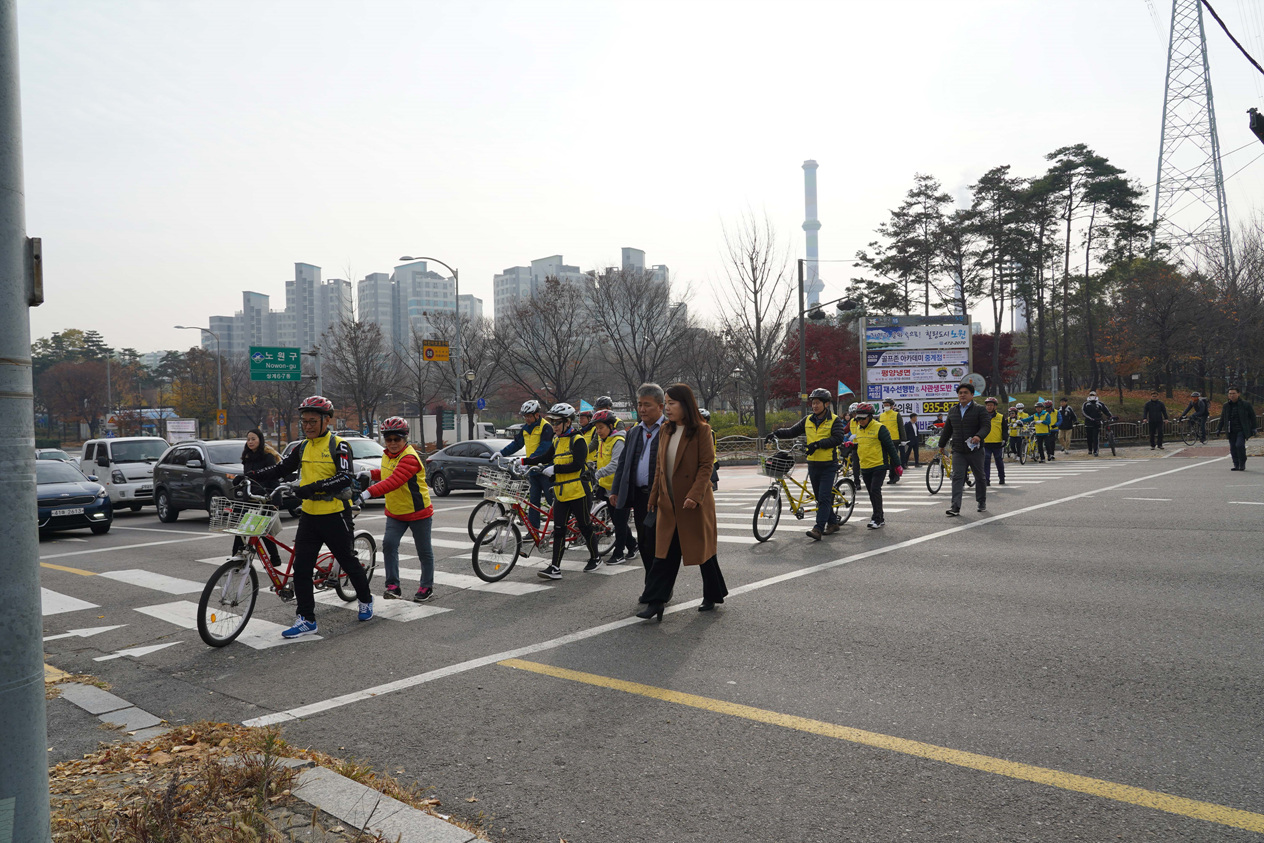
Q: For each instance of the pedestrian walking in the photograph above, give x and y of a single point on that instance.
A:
(994, 443)
(965, 427)
(610, 450)
(875, 451)
(1201, 409)
(1154, 413)
(894, 424)
(685, 505)
(1237, 420)
(1066, 425)
(824, 432)
(256, 456)
(1095, 412)
(912, 443)
(635, 474)
(402, 482)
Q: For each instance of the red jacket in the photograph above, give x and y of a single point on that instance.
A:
(404, 471)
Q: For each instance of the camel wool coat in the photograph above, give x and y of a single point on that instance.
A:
(691, 478)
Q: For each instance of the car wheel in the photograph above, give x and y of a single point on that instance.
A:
(439, 484)
(100, 529)
(136, 507)
(167, 513)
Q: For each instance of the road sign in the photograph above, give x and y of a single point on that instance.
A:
(434, 351)
(275, 364)
(221, 417)
(447, 420)
(481, 403)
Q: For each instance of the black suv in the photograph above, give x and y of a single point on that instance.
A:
(191, 473)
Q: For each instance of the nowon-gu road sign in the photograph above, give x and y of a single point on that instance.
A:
(275, 364)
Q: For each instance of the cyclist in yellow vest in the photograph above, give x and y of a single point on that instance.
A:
(534, 440)
(824, 432)
(609, 453)
(894, 424)
(1016, 443)
(850, 463)
(568, 455)
(1040, 421)
(323, 463)
(876, 453)
(994, 442)
(402, 481)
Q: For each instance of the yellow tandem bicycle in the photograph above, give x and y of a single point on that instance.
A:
(779, 466)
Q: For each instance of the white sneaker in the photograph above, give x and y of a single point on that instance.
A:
(876, 525)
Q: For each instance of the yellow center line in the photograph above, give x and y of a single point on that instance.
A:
(80, 571)
(1208, 811)
(53, 675)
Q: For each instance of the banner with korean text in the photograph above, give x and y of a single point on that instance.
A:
(916, 361)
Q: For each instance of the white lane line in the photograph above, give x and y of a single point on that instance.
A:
(258, 634)
(1248, 503)
(396, 610)
(136, 652)
(1147, 499)
(157, 582)
(592, 632)
(132, 546)
(160, 530)
(53, 603)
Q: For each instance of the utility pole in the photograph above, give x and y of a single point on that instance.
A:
(24, 726)
(803, 345)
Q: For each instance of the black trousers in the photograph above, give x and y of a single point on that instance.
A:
(644, 532)
(334, 531)
(1237, 449)
(963, 461)
(1092, 432)
(662, 577)
(1156, 433)
(873, 482)
(821, 477)
(563, 511)
(1046, 441)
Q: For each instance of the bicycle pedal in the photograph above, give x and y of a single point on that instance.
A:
(286, 594)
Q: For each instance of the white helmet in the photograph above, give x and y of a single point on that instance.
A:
(562, 410)
(1019, 406)
(528, 407)
(852, 408)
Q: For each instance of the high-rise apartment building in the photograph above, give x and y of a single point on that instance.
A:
(311, 308)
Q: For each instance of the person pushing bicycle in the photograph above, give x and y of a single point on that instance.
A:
(824, 432)
(568, 455)
(323, 463)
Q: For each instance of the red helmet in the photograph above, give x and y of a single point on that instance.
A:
(990, 400)
(605, 417)
(865, 409)
(394, 424)
(317, 404)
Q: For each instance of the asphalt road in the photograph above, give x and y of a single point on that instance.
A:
(1057, 669)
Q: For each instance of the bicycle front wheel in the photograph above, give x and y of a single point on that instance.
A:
(496, 550)
(227, 602)
(1190, 435)
(366, 551)
(603, 528)
(767, 515)
(844, 499)
(935, 475)
(485, 513)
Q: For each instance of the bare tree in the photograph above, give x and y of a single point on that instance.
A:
(283, 397)
(707, 362)
(423, 381)
(358, 366)
(643, 327)
(549, 344)
(756, 305)
(478, 356)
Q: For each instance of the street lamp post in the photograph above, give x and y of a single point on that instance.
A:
(456, 279)
(469, 383)
(219, 377)
(844, 304)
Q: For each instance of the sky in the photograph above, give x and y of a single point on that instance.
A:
(177, 153)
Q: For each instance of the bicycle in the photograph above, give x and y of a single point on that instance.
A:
(499, 544)
(939, 468)
(1031, 446)
(228, 599)
(1190, 432)
(492, 479)
(778, 466)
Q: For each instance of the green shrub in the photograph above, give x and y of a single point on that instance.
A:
(47, 443)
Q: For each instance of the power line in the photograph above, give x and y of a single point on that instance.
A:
(1231, 38)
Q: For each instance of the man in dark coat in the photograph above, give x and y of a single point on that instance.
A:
(635, 476)
(1237, 421)
(1154, 413)
(965, 426)
(911, 443)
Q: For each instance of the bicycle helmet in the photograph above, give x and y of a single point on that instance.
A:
(605, 417)
(990, 400)
(529, 407)
(852, 408)
(561, 410)
(317, 404)
(1194, 395)
(605, 402)
(865, 409)
(822, 394)
(1019, 406)
(394, 424)
(705, 413)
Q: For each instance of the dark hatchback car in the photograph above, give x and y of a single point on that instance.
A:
(456, 466)
(70, 501)
(191, 473)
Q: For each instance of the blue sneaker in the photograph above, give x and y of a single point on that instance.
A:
(366, 610)
(302, 626)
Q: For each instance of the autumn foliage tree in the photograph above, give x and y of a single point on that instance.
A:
(833, 355)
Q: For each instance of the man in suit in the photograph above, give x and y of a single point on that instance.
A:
(965, 426)
(635, 476)
(912, 443)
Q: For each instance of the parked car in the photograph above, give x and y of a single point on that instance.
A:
(54, 454)
(69, 500)
(366, 454)
(456, 466)
(125, 466)
(350, 434)
(191, 473)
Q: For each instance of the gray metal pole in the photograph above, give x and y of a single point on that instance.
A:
(219, 389)
(24, 726)
(460, 370)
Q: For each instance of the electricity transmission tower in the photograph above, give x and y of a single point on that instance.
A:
(1190, 211)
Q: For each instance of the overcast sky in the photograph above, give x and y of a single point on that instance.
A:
(180, 152)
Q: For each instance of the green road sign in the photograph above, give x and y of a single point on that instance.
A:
(275, 364)
(447, 420)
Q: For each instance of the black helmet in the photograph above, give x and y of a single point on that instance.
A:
(822, 394)
(605, 402)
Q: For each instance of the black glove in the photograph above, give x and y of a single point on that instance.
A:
(811, 447)
(770, 439)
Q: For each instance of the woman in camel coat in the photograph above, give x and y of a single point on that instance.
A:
(685, 505)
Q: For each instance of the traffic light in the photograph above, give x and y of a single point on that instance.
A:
(1257, 123)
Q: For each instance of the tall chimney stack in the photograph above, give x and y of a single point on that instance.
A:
(812, 279)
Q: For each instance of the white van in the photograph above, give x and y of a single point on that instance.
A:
(125, 467)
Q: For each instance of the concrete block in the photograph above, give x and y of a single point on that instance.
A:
(130, 719)
(91, 698)
(365, 808)
(152, 732)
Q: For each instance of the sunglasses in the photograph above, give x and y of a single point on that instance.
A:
(393, 438)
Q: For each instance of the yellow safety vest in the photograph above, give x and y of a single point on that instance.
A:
(891, 419)
(605, 451)
(852, 426)
(815, 433)
(414, 495)
(531, 437)
(317, 465)
(567, 485)
(869, 445)
(1014, 429)
(994, 433)
(1042, 422)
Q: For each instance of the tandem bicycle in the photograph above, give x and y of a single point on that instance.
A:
(778, 466)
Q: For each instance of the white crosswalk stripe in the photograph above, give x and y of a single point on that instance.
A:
(55, 603)
(157, 582)
(395, 610)
(258, 634)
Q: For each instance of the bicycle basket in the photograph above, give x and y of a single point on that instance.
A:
(243, 518)
(777, 465)
(519, 490)
(491, 478)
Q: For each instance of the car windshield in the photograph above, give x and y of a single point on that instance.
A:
(364, 449)
(142, 450)
(53, 455)
(57, 472)
(225, 452)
